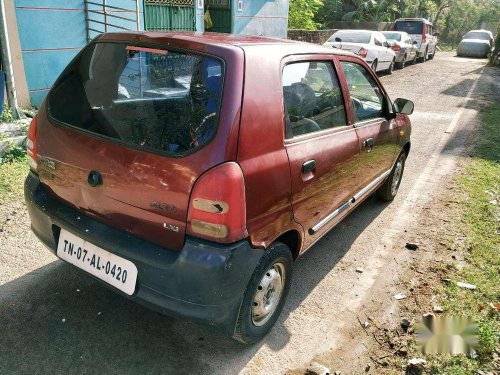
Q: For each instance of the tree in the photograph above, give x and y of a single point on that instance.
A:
(373, 11)
(301, 14)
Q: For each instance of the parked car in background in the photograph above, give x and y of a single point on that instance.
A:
(476, 43)
(370, 45)
(403, 46)
(193, 192)
(421, 31)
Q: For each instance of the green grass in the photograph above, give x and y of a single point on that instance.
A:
(13, 171)
(479, 221)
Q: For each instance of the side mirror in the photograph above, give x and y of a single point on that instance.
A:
(403, 106)
(338, 40)
(415, 42)
(435, 34)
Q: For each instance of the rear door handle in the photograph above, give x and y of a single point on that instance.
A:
(308, 166)
(368, 144)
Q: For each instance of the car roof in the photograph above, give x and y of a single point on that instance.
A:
(222, 40)
(424, 20)
(357, 30)
(479, 31)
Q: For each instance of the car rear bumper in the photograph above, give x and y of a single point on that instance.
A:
(204, 281)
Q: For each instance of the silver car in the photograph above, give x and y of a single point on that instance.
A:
(403, 46)
(476, 43)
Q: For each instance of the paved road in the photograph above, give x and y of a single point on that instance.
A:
(56, 320)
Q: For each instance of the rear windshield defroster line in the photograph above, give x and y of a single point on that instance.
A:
(150, 98)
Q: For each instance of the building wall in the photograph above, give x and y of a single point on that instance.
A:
(261, 17)
(51, 33)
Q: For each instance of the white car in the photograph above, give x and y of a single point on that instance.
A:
(421, 31)
(476, 43)
(370, 45)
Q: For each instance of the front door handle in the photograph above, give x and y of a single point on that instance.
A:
(308, 166)
(368, 144)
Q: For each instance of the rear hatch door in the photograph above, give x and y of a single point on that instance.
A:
(127, 130)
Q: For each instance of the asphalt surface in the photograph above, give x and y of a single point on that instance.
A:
(54, 319)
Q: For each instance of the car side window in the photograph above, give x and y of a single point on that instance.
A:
(367, 99)
(377, 40)
(313, 99)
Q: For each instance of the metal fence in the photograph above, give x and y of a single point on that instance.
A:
(101, 17)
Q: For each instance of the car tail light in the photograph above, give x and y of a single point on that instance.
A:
(31, 145)
(363, 52)
(424, 33)
(396, 48)
(217, 208)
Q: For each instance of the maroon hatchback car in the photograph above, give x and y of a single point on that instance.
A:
(188, 171)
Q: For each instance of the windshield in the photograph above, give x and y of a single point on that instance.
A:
(410, 27)
(351, 37)
(150, 98)
(393, 36)
(477, 35)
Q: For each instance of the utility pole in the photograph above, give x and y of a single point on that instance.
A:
(7, 62)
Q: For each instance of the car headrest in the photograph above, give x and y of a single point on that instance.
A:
(300, 100)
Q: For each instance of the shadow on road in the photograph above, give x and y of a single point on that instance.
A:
(58, 320)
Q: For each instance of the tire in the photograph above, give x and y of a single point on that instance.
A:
(390, 187)
(402, 64)
(391, 67)
(424, 57)
(253, 324)
(432, 56)
(374, 66)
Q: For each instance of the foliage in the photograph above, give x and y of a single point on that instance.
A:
(452, 17)
(302, 13)
(12, 175)
(14, 153)
(6, 114)
(373, 11)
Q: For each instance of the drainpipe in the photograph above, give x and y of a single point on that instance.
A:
(7, 63)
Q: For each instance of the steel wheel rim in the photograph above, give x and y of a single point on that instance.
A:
(268, 294)
(398, 171)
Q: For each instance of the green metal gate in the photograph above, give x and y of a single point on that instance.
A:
(169, 15)
(220, 13)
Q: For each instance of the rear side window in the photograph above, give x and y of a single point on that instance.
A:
(313, 100)
(153, 99)
(410, 27)
(367, 100)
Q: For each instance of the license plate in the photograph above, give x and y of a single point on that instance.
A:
(116, 271)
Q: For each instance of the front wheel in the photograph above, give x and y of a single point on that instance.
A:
(391, 67)
(265, 294)
(390, 187)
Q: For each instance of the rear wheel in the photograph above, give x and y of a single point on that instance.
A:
(374, 66)
(265, 294)
(402, 63)
(389, 189)
(424, 57)
(432, 56)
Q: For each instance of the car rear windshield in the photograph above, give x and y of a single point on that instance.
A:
(393, 36)
(410, 27)
(351, 37)
(155, 99)
(477, 35)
